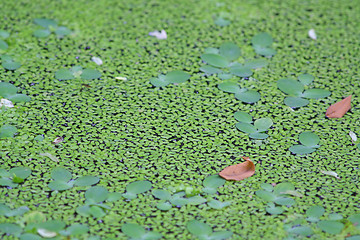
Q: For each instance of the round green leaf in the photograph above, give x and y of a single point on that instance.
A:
(164, 206)
(284, 201)
(267, 186)
(256, 63)
(64, 74)
(138, 187)
(243, 117)
(301, 230)
(178, 201)
(301, 149)
(296, 102)
(22, 172)
(265, 51)
(332, 227)
(221, 235)
(84, 211)
(222, 22)
(89, 74)
(230, 87)
(75, 229)
(210, 69)
(96, 194)
(62, 31)
(230, 51)
(218, 204)
(306, 78)
(29, 236)
(335, 216)
(196, 200)
(274, 210)
(60, 185)
(61, 174)
(160, 81)
(17, 212)
(213, 181)
(52, 225)
(215, 60)
(4, 34)
(177, 76)
(245, 127)
(265, 195)
(7, 182)
(152, 236)
(86, 181)
(7, 131)
(10, 228)
(161, 194)
(281, 188)
(19, 98)
(262, 39)
(198, 228)
(114, 196)
(316, 93)
(250, 96)
(225, 76)
(133, 230)
(258, 135)
(11, 65)
(42, 33)
(46, 23)
(211, 50)
(263, 124)
(290, 86)
(309, 139)
(7, 89)
(241, 71)
(3, 45)
(315, 212)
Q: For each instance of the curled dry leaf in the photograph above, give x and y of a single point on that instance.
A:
(239, 171)
(312, 34)
(338, 110)
(6, 103)
(58, 140)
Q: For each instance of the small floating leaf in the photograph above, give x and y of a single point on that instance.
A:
(262, 39)
(230, 51)
(309, 139)
(210, 69)
(263, 124)
(7, 89)
(241, 71)
(249, 96)
(42, 33)
(17, 98)
(86, 181)
(218, 204)
(316, 93)
(7, 131)
(306, 78)
(198, 228)
(243, 117)
(338, 110)
(290, 86)
(62, 31)
(160, 81)
(44, 22)
(89, 74)
(301, 149)
(161, 194)
(3, 45)
(330, 226)
(64, 74)
(296, 102)
(314, 213)
(230, 87)
(222, 22)
(177, 77)
(215, 60)
(239, 171)
(256, 63)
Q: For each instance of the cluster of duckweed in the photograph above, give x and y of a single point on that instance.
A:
(126, 130)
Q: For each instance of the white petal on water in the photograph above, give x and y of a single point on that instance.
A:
(97, 60)
(121, 78)
(312, 34)
(159, 35)
(46, 233)
(6, 103)
(353, 136)
(331, 173)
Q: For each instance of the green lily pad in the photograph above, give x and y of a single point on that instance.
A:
(284, 201)
(215, 60)
(301, 149)
(44, 22)
(335, 216)
(316, 93)
(213, 181)
(42, 33)
(7, 89)
(10, 228)
(160, 81)
(256, 63)
(330, 226)
(222, 22)
(274, 210)
(164, 206)
(96, 194)
(218, 204)
(17, 98)
(62, 31)
(265, 195)
(263, 124)
(225, 76)
(230, 51)
(306, 78)
(29, 236)
(249, 96)
(246, 127)
(198, 228)
(75, 229)
(89, 74)
(258, 135)
(86, 181)
(161, 194)
(265, 51)
(196, 200)
(114, 196)
(290, 86)
(296, 102)
(22, 172)
(11, 65)
(64, 74)
(177, 77)
(4, 34)
(314, 213)
(230, 87)
(267, 186)
(243, 117)
(301, 230)
(138, 187)
(309, 139)
(7, 131)
(221, 235)
(61, 174)
(262, 39)
(211, 50)
(210, 69)
(60, 185)
(3, 45)
(241, 71)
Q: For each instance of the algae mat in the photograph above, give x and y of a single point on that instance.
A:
(121, 129)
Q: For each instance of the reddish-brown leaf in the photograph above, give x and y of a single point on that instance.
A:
(239, 171)
(337, 110)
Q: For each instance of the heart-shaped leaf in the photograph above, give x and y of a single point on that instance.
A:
(230, 51)
(296, 102)
(215, 60)
(61, 174)
(306, 78)
(290, 86)
(246, 127)
(309, 139)
(314, 213)
(283, 187)
(263, 124)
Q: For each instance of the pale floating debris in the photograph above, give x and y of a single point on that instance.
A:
(353, 136)
(58, 140)
(55, 159)
(312, 34)
(331, 173)
(121, 78)
(6, 103)
(46, 233)
(97, 60)
(159, 35)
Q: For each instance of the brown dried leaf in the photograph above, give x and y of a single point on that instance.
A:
(337, 110)
(239, 171)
